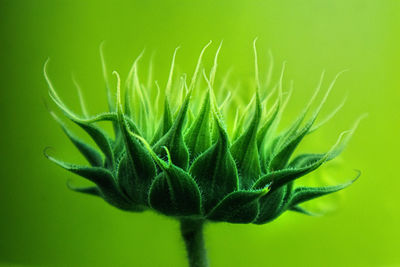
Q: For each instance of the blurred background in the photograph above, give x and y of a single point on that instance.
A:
(44, 223)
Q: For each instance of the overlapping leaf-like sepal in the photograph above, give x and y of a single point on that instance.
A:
(173, 192)
(174, 139)
(215, 170)
(136, 169)
(238, 207)
(106, 185)
(281, 196)
(303, 193)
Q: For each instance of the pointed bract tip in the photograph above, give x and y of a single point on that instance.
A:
(357, 123)
(342, 71)
(337, 77)
(116, 74)
(267, 188)
(282, 74)
(46, 63)
(46, 104)
(102, 43)
(357, 176)
(363, 116)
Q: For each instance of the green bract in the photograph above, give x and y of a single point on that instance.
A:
(180, 160)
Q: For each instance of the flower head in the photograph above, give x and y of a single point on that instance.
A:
(182, 160)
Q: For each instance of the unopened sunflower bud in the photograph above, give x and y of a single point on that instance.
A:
(184, 163)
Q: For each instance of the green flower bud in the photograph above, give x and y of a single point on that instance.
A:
(183, 162)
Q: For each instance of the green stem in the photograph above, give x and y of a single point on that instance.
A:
(192, 234)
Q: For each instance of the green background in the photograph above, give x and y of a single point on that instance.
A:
(43, 223)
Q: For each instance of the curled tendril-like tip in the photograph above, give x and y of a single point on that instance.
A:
(357, 176)
(168, 156)
(70, 185)
(46, 104)
(46, 150)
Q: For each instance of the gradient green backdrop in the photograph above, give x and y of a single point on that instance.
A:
(43, 223)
